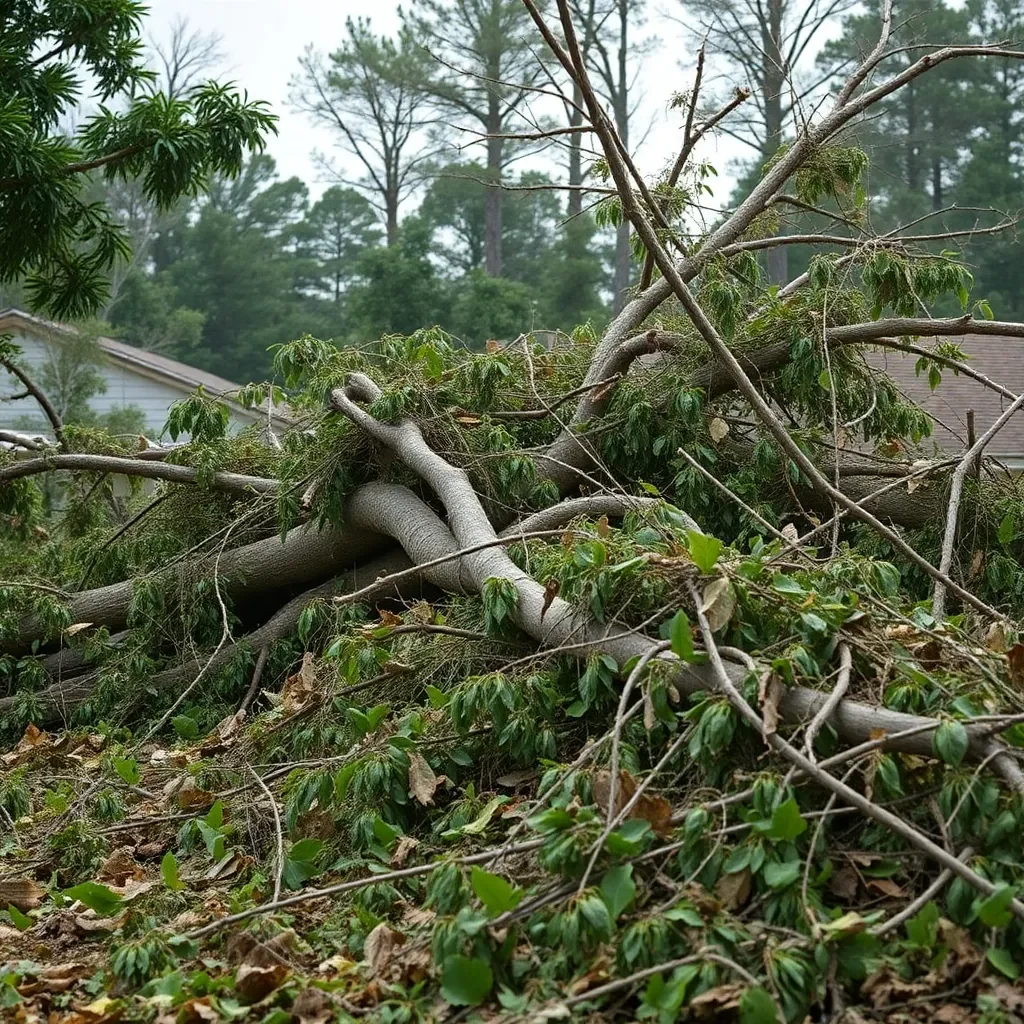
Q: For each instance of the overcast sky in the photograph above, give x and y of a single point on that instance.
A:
(263, 39)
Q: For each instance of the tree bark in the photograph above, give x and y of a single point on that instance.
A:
(493, 198)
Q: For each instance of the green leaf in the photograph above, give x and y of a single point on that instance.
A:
(629, 838)
(215, 815)
(342, 780)
(214, 840)
(438, 698)
(185, 727)
(922, 929)
(483, 819)
(950, 742)
(681, 636)
(704, 549)
(96, 897)
(385, 833)
(1007, 529)
(497, 895)
(618, 889)
(778, 876)
(21, 921)
(825, 380)
(300, 863)
(466, 981)
(128, 769)
(169, 869)
(1002, 961)
(595, 913)
(757, 1007)
(994, 912)
(787, 822)
(787, 585)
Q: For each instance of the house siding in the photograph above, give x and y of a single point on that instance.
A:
(125, 387)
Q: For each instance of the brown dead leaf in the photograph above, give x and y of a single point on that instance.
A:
(603, 529)
(76, 627)
(422, 780)
(734, 890)
(650, 715)
(844, 882)
(714, 1003)
(313, 1006)
(1015, 656)
(299, 688)
(422, 611)
(468, 421)
(192, 798)
(119, 867)
(887, 887)
(197, 1011)
(150, 851)
(718, 603)
(389, 618)
(379, 948)
(601, 785)
(33, 739)
(255, 983)
(977, 562)
(406, 844)
(771, 695)
(952, 1013)
(551, 589)
(790, 533)
(492, 346)
(718, 429)
(22, 893)
(995, 638)
(656, 811)
(416, 917)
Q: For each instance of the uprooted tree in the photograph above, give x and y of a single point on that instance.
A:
(662, 671)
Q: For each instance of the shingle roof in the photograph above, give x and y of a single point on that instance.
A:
(147, 363)
(999, 358)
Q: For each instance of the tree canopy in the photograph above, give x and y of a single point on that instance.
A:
(52, 52)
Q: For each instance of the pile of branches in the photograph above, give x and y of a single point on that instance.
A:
(602, 679)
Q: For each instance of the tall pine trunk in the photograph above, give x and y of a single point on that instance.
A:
(623, 256)
(492, 201)
(774, 83)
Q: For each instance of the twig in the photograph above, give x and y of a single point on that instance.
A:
(915, 905)
(40, 396)
(704, 956)
(277, 826)
(357, 883)
(833, 785)
(254, 686)
(613, 782)
(837, 694)
(953, 512)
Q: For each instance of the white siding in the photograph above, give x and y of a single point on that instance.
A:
(125, 387)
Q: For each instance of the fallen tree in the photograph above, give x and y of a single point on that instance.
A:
(505, 552)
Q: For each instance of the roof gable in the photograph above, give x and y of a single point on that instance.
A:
(171, 372)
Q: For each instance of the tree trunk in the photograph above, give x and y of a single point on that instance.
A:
(391, 215)
(575, 205)
(492, 201)
(620, 98)
(774, 83)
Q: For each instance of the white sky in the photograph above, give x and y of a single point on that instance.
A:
(263, 39)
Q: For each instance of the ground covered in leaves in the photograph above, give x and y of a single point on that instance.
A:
(413, 827)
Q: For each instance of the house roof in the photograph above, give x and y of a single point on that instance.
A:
(148, 364)
(999, 358)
